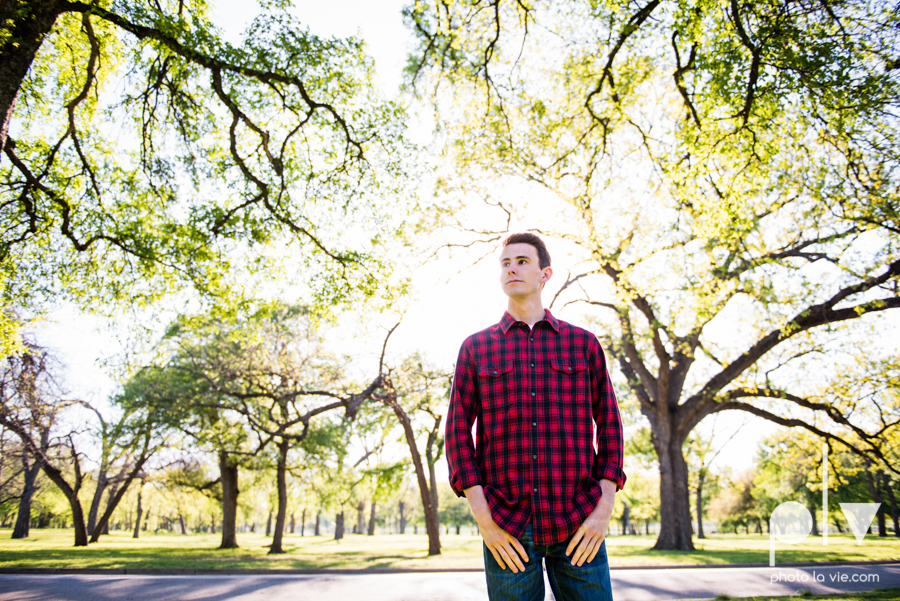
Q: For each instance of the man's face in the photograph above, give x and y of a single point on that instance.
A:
(520, 273)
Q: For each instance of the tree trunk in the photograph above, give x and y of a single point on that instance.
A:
(81, 537)
(371, 530)
(318, 520)
(269, 524)
(626, 513)
(23, 519)
(432, 527)
(102, 481)
(229, 477)
(361, 517)
(700, 504)
(402, 517)
(811, 503)
(118, 492)
(303, 522)
(875, 491)
(281, 480)
(893, 498)
(293, 523)
(882, 527)
(111, 503)
(339, 526)
(675, 510)
(431, 459)
(26, 23)
(140, 512)
(182, 523)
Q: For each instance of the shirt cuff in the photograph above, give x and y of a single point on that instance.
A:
(460, 482)
(613, 473)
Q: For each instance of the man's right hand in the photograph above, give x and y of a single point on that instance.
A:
(506, 548)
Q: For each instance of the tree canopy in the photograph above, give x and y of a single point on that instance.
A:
(142, 153)
(727, 172)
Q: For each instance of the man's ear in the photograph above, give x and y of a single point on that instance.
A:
(547, 274)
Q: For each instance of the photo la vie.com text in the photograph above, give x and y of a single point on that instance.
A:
(837, 576)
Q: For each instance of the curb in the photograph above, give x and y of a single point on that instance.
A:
(363, 571)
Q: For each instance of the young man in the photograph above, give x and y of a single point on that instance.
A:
(539, 389)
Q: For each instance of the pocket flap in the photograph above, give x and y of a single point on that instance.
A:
(494, 370)
(571, 366)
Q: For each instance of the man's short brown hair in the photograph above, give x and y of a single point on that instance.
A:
(533, 240)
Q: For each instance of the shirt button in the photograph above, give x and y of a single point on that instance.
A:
(495, 371)
(534, 424)
(532, 338)
(532, 365)
(570, 368)
(534, 490)
(534, 456)
(532, 394)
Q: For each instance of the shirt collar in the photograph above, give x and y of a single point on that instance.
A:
(508, 321)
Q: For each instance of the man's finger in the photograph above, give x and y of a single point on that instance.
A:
(521, 550)
(574, 542)
(582, 551)
(497, 557)
(513, 557)
(596, 550)
(510, 561)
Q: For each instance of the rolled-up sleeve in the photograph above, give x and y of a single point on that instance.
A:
(463, 467)
(609, 460)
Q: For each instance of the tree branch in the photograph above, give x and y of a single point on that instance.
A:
(799, 423)
(811, 317)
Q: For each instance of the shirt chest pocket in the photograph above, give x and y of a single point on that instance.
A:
(495, 385)
(570, 381)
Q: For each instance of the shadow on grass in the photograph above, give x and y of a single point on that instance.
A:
(167, 557)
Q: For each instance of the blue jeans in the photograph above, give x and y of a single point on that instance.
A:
(589, 582)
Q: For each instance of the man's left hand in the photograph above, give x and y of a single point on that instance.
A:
(591, 534)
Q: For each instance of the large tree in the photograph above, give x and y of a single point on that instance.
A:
(728, 173)
(31, 404)
(141, 152)
(413, 391)
(247, 384)
(175, 394)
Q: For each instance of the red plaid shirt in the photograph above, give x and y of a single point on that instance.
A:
(537, 395)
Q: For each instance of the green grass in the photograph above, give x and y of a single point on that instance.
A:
(53, 549)
(753, 548)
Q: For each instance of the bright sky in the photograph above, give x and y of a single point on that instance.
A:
(451, 300)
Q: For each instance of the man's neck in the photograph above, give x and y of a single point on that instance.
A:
(530, 311)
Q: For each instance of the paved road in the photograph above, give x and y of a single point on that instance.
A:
(628, 585)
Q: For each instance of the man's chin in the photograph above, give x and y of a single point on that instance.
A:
(517, 292)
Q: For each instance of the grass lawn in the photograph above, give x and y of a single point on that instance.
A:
(53, 549)
(753, 548)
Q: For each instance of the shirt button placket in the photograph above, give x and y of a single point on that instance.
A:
(535, 469)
